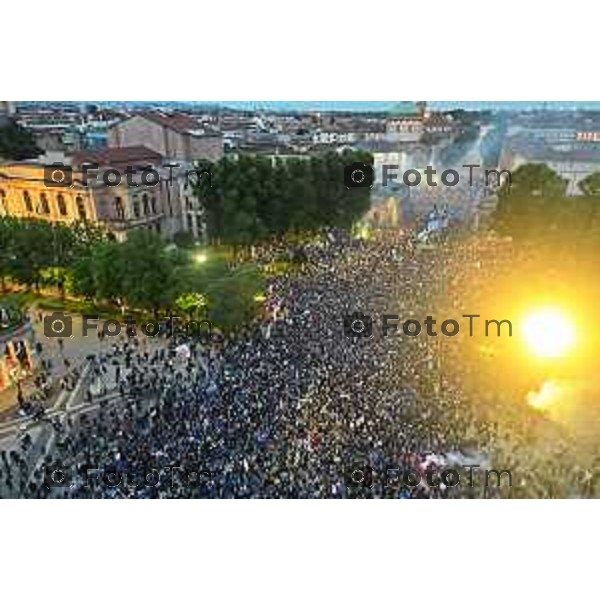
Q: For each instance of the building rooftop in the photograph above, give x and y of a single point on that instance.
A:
(378, 146)
(178, 122)
(535, 149)
(128, 155)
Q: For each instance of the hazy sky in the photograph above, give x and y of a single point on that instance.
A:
(384, 106)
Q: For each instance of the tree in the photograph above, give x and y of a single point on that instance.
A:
(537, 180)
(34, 251)
(191, 303)
(590, 186)
(107, 272)
(184, 239)
(8, 228)
(533, 203)
(146, 269)
(30, 243)
(82, 278)
(17, 143)
(255, 197)
(138, 272)
(231, 298)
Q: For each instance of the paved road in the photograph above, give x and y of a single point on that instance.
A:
(41, 432)
(74, 349)
(96, 382)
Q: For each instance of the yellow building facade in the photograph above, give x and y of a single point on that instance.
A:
(27, 190)
(24, 194)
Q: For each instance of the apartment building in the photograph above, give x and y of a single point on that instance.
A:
(175, 136)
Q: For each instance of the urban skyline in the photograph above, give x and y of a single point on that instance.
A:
(365, 105)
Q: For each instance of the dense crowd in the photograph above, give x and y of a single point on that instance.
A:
(298, 406)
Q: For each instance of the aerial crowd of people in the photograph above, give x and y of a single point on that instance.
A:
(301, 405)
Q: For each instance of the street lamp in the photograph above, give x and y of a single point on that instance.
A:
(200, 258)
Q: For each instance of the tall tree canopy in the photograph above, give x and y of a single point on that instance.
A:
(252, 197)
(532, 202)
(16, 142)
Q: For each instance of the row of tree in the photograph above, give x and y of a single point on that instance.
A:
(142, 273)
(252, 197)
(35, 252)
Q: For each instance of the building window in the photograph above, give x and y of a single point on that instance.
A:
(199, 223)
(62, 205)
(189, 223)
(27, 201)
(80, 208)
(119, 210)
(44, 206)
(136, 209)
(145, 203)
(153, 204)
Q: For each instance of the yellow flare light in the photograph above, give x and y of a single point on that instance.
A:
(549, 333)
(548, 395)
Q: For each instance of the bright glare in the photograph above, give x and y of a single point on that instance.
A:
(549, 333)
(549, 394)
(200, 258)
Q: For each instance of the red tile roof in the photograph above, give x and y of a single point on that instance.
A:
(178, 122)
(128, 155)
